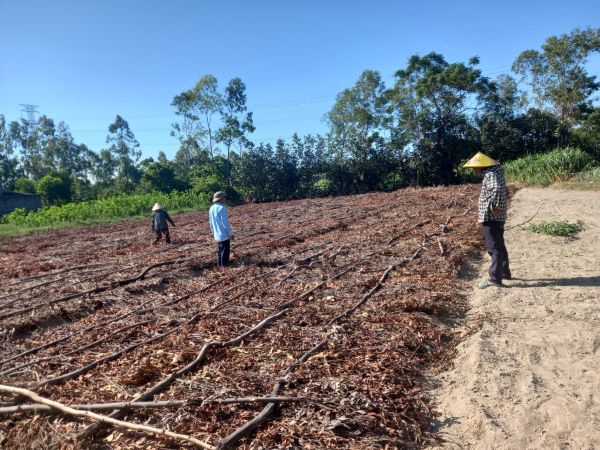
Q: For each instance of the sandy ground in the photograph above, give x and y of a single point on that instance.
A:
(529, 377)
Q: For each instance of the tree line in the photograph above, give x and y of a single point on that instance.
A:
(414, 132)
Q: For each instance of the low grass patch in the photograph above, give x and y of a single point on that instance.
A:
(556, 166)
(558, 228)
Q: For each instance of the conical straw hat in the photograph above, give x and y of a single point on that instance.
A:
(157, 207)
(481, 161)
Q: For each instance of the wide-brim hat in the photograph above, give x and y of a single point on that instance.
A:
(219, 195)
(157, 206)
(481, 161)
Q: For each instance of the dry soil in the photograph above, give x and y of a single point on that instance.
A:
(529, 377)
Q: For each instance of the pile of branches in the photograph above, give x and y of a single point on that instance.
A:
(319, 335)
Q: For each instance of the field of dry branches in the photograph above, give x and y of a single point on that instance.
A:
(318, 335)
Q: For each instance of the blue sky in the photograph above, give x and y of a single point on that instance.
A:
(83, 62)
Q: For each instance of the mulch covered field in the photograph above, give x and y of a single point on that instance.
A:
(318, 336)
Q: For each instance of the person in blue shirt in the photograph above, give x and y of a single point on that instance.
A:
(219, 225)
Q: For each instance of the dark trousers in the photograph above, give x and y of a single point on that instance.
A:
(493, 234)
(223, 253)
(159, 236)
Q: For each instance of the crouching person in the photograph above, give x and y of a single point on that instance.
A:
(220, 227)
(160, 217)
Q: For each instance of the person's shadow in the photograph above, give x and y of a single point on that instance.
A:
(544, 282)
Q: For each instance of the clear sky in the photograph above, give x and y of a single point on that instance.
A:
(83, 62)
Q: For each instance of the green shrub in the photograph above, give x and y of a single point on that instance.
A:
(558, 228)
(463, 174)
(322, 187)
(548, 168)
(105, 210)
(208, 184)
(54, 189)
(25, 185)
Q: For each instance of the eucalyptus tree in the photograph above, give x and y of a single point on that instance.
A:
(9, 171)
(558, 76)
(255, 173)
(197, 108)
(60, 152)
(355, 120)
(357, 131)
(499, 121)
(162, 157)
(26, 140)
(310, 154)
(46, 147)
(432, 103)
(236, 122)
(126, 151)
(285, 173)
(160, 176)
(104, 168)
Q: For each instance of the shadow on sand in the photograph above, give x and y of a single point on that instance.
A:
(544, 282)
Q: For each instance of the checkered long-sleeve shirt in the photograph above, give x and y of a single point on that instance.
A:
(493, 195)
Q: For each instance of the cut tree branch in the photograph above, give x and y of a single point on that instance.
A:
(104, 419)
(41, 408)
(112, 285)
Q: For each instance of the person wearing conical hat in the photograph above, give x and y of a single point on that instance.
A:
(492, 210)
(160, 217)
(219, 225)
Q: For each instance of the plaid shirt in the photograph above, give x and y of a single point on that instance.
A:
(493, 195)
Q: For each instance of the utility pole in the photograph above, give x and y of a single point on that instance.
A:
(33, 145)
(30, 111)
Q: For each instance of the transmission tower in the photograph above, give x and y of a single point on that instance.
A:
(30, 111)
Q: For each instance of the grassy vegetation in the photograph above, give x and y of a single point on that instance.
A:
(98, 211)
(558, 228)
(11, 230)
(556, 166)
(587, 180)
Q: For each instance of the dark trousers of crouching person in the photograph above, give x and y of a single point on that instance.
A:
(493, 234)
(223, 248)
(159, 236)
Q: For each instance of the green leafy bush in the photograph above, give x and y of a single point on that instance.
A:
(558, 228)
(25, 185)
(54, 189)
(322, 187)
(208, 184)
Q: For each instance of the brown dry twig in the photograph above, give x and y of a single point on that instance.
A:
(104, 419)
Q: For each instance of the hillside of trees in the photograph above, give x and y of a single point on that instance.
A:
(412, 133)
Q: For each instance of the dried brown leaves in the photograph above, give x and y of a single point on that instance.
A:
(367, 378)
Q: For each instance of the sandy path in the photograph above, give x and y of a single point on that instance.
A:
(530, 378)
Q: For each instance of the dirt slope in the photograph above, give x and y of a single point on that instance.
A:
(529, 378)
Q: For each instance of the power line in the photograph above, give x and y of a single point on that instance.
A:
(296, 103)
(263, 107)
(167, 130)
(258, 107)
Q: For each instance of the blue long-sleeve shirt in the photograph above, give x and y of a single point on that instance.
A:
(219, 222)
